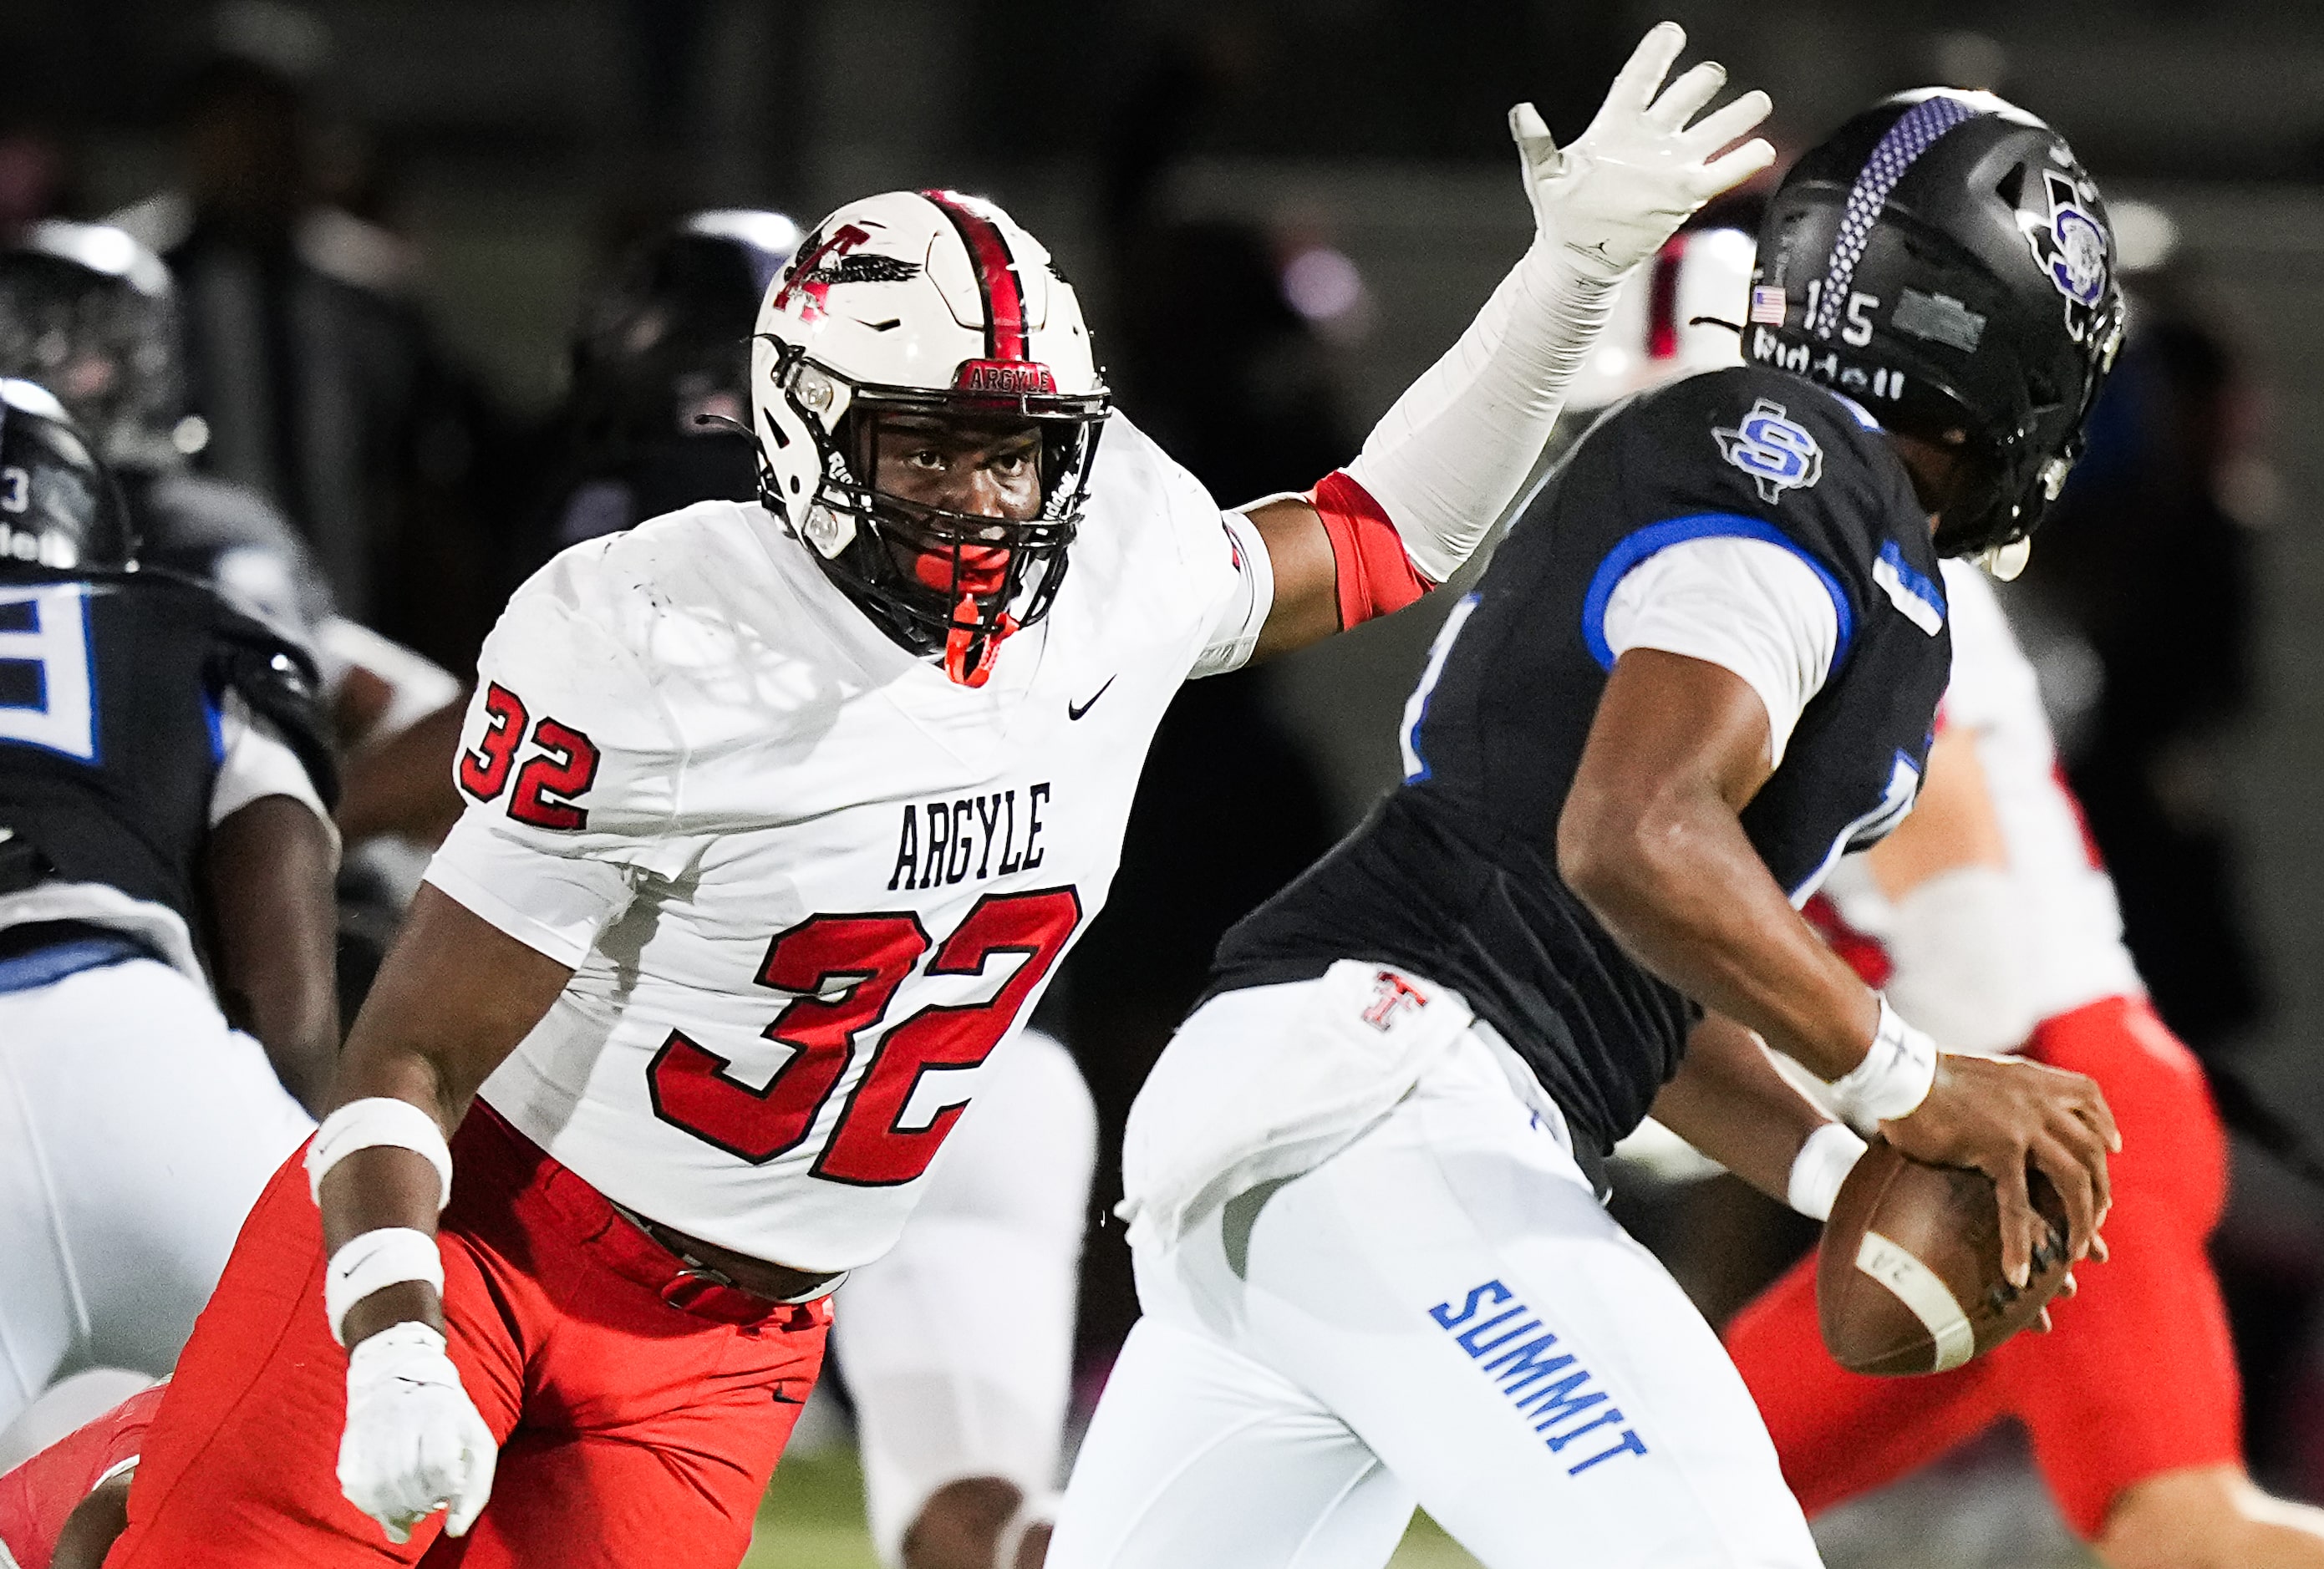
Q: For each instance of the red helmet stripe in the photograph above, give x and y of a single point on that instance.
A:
(996, 276)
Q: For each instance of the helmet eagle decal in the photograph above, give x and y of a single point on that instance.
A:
(936, 305)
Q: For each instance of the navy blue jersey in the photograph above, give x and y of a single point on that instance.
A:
(111, 688)
(1454, 876)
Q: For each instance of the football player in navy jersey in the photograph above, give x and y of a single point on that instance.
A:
(163, 835)
(92, 316)
(1703, 665)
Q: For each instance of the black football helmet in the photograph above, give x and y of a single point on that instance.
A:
(1943, 260)
(667, 341)
(59, 507)
(91, 314)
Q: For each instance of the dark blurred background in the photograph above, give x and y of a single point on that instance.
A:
(384, 215)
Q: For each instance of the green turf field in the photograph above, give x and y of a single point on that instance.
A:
(1978, 1514)
(813, 1518)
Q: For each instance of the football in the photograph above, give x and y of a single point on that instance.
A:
(1908, 1278)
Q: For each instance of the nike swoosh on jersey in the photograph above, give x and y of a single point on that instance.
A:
(1074, 710)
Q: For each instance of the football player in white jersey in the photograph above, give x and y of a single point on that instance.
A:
(1989, 915)
(779, 817)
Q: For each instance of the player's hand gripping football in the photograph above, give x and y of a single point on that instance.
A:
(1998, 1114)
(1640, 171)
(413, 1443)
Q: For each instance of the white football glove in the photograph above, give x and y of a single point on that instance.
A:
(413, 1443)
(1611, 200)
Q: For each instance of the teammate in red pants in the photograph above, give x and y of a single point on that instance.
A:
(1989, 919)
(63, 1508)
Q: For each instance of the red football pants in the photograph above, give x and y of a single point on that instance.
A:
(640, 1412)
(2138, 1378)
(37, 1497)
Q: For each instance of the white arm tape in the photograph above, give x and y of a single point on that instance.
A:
(1822, 1164)
(1893, 1080)
(374, 1260)
(370, 1123)
(1959, 943)
(1448, 459)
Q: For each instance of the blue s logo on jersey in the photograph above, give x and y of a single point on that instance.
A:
(1776, 452)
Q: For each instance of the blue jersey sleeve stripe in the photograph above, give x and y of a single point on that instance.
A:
(1927, 588)
(213, 716)
(1655, 538)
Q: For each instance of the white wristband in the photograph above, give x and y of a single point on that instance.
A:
(370, 1123)
(374, 1260)
(1894, 1077)
(1822, 1164)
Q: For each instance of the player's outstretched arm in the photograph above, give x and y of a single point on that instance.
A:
(453, 998)
(274, 923)
(1447, 461)
(1652, 841)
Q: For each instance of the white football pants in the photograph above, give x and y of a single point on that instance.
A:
(137, 1131)
(957, 1346)
(1442, 1313)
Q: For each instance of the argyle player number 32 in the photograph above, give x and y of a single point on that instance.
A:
(840, 970)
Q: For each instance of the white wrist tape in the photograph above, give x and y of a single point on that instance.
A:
(374, 1261)
(1894, 1077)
(1448, 459)
(1822, 1164)
(1959, 943)
(370, 1123)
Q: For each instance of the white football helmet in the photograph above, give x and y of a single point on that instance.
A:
(927, 303)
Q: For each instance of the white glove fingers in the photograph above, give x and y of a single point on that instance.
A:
(1726, 123)
(1649, 63)
(1724, 173)
(1528, 130)
(475, 1489)
(1684, 98)
(1536, 147)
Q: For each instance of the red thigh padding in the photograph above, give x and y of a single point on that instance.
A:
(634, 1431)
(238, 1468)
(2138, 1377)
(1375, 575)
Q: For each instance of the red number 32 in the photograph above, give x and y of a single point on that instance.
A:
(845, 970)
(545, 787)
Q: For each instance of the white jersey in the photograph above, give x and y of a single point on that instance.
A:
(807, 883)
(2072, 924)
